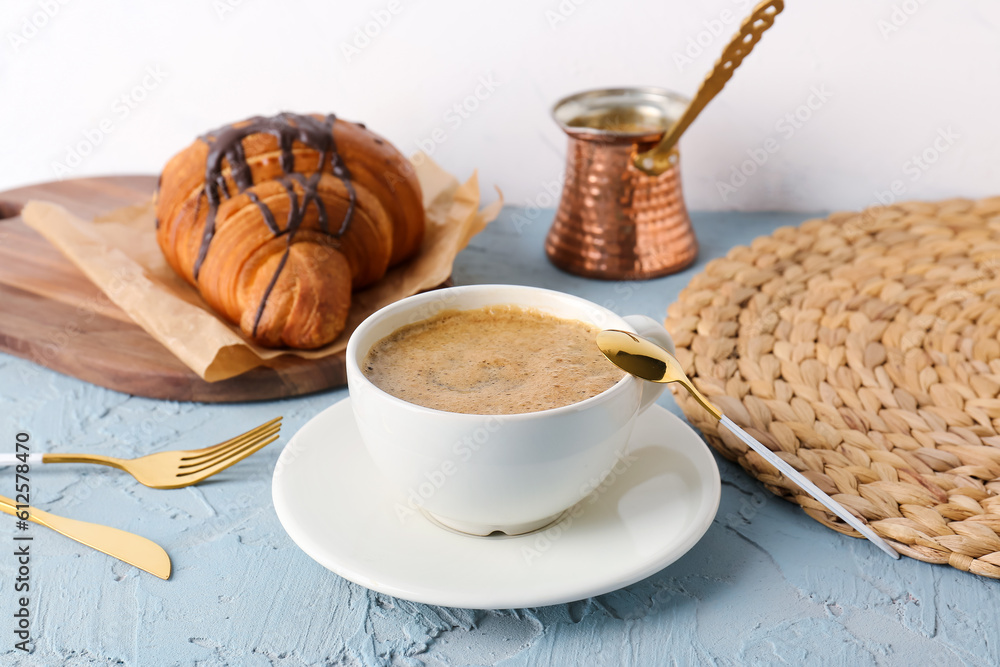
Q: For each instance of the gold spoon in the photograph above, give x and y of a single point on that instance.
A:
(662, 156)
(647, 360)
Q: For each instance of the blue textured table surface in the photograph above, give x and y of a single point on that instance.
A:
(766, 585)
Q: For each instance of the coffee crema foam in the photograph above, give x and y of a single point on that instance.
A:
(501, 359)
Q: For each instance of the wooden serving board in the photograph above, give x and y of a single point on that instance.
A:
(51, 314)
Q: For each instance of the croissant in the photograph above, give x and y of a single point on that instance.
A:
(277, 220)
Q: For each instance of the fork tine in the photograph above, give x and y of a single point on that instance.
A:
(224, 451)
(195, 453)
(223, 454)
(208, 451)
(219, 466)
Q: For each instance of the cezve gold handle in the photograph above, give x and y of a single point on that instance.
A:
(133, 549)
(659, 159)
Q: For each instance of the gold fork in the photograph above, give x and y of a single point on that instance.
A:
(177, 469)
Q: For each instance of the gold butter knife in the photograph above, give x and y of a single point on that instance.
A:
(133, 549)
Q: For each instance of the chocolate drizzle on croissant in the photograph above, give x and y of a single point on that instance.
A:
(276, 219)
(227, 142)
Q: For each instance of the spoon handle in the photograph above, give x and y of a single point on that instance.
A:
(807, 486)
(657, 160)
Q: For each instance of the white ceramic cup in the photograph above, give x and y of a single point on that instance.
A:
(511, 473)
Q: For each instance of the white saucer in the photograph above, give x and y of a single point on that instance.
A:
(336, 507)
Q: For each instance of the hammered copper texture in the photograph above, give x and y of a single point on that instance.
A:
(615, 222)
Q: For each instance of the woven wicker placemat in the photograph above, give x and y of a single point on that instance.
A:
(863, 349)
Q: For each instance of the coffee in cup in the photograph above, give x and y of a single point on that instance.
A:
(479, 473)
(502, 359)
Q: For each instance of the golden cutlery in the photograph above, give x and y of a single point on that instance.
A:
(645, 359)
(660, 158)
(133, 549)
(174, 469)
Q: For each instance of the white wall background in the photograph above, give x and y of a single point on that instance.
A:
(897, 76)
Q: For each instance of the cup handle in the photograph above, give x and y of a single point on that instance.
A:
(650, 328)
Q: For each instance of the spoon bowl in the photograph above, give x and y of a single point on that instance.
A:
(645, 359)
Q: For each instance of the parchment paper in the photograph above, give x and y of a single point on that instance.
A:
(119, 253)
